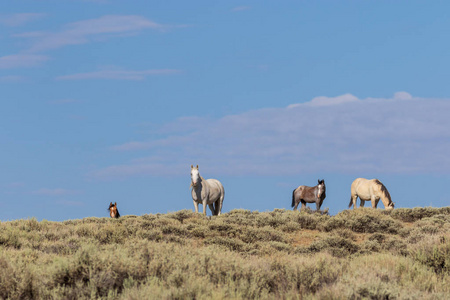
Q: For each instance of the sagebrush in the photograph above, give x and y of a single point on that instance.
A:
(357, 254)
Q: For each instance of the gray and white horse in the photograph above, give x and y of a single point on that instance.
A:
(307, 194)
(205, 192)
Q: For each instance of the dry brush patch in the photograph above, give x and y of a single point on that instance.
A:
(357, 254)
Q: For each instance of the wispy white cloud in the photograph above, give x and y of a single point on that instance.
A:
(54, 192)
(325, 101)
(22, 61)
(401, 134)
(119, 74)
(85, 31)
(14, 20)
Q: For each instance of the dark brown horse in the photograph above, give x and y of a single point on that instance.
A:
(307, 194)
(113, 211)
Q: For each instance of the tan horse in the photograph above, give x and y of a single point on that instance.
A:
(113, 211)
(370, 190)
(206, 192)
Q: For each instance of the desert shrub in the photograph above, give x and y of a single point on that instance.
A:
(174, 229)
(29, 225)
(266, 234)
(394, 245)
(110, 233)
(417, 213)
(8, 282)
(240, 211)
(307, 220)
(405, 232)
(229, 243)
(378, 237)
(333, 223)
(149, 217)
(370, 246)
(181, 215)
(280, 246)
(290, 227)
(378, 291)
(198, 231)
(434, 253)
(416, 235)
(336, 245)
(364, 220)
(151, 234)
(10, 237)
(346, 234)
(223, 227)
(86, 230)
(240, 216)
(294, 255)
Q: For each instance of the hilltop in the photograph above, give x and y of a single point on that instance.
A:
(356, 254)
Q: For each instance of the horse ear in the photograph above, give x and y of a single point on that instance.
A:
(192, 166)
(197, 167)
(115, 203)
(110, 203)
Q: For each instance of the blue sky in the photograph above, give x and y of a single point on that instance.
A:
(108, 100)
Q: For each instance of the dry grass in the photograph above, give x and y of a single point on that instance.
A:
(361, 254)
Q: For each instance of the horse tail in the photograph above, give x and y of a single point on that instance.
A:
(351, 201)
(293, 198)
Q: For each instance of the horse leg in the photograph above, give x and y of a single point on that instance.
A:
(354, 198)
(216, 207)
(303, 204)
(294, 202)
(211, 207)
(374, 202)
(196, 206)
(204, 206)
(220, 203)
(362, 202)
(318, 205)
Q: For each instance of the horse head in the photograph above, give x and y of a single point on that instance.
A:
(321, 187)
(391, 206)
(113, 212)
(195, 176)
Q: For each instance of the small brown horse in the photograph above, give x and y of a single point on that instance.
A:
(113, 211)
(309, 194)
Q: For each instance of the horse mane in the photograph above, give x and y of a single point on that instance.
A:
(384, 190)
